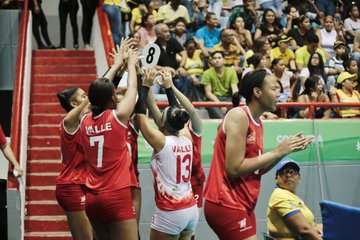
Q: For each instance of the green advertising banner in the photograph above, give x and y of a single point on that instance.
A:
(335, 140)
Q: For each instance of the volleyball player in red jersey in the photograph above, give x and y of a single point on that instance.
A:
(233, 183)
(69, 192)
(176, 214)
(132, 137)
(104, 140)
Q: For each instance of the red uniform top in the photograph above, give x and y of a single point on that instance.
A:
(103, 139)
(2, 138)
(74, 169)
(243, 192)
(197, 172)
(132, 137)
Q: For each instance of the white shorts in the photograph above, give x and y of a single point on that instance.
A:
(174, 222)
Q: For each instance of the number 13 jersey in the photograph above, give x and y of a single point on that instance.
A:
(171, 169)
(104, 143)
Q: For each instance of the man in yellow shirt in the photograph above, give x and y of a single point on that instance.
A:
(284, 52)
(287, 216)
(302, 55)
(231, 48)
(172, 11)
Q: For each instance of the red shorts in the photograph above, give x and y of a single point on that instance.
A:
(230, 223)
(70, 197)
(113, 206)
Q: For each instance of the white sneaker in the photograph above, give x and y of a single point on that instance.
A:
(88, 47)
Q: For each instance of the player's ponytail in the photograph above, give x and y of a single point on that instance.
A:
(65, 96)
(100, 95)
(176, 118)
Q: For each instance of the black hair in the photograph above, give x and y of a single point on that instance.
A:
(65, 96)
(312, 38)
(319, 69)
(347, 63)
(255, 59)
(250, 81)
(144, 18)
(310, 85)
(209, 15)
(189, 41)
(175, 119)
(212, 54)
(259, 44)
(274, 62)
(264, 23)
(100, 95)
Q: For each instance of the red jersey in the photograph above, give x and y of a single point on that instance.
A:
(2, 138)
(243, 192)
(132, 137)
(103, 139)
(197, 172)
(74, 169)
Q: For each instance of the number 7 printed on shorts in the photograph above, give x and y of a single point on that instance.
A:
(100, 141)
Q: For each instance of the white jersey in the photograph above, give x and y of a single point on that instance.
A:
(171, 169)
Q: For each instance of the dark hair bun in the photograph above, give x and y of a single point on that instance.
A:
(176, 119)
(182, 116)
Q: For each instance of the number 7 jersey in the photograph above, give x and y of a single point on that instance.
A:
(104, 140)
(171, 169)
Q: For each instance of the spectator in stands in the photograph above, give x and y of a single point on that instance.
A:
(291, 20)
(137, 15)
(274, 5)
(198, 15)
(70, 7)
(261, 45)
(287, 215)
(194, 65)
(231, 48)
(335, 66)
(9, 154)
(170, 49)
(181, 34)
(172, 11)
(112, 10)
(247, 12)
(328, 7)
(328, 35)
(9, 4)
(314, 91)
(302, 55)
(316, 67)
(346, 93)
(283, 52)
(255, 62)
(209, 33)
(39, 23)
(242, 34)
(147, 29)
(356, 47)
(269, 27)
(283, 76)
(88, 12)
(220, 83)
(300, 33)
(352, 23)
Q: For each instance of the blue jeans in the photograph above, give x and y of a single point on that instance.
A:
(114, 15)
(326, 6)
(275, 5)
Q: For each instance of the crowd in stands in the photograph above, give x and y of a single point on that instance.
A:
(211, 45)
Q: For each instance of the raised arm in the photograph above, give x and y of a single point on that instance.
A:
(236, 164)
(72, 118)
(125, 108)
(152, 135)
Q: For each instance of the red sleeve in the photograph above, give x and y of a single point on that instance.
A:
(2, 137)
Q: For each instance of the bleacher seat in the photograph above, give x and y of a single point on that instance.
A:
(340, 221)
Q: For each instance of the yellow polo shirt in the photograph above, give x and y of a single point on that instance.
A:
(231, 56)
(302, 55)
(282, 204)
(168, 14)
(286, 56)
